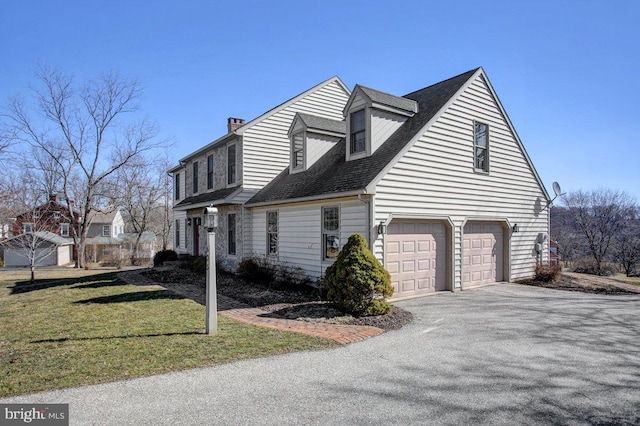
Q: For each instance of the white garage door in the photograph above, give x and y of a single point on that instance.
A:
(482, 259)
(415, 256)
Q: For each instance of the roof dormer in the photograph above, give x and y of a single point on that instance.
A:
(311, 137)
(372, 116)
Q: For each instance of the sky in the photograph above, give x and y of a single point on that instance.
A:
(566, 71)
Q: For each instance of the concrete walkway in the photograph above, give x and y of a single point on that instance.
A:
(230, 308)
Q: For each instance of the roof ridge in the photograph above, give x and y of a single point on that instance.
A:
(472, 71)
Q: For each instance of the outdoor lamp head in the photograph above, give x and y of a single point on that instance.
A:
(210, 217)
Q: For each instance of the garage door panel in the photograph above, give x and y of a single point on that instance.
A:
(408, 266)
(393, 247)
(483, 253)
(421, 258)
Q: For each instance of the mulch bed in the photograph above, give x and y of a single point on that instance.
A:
(299, 304)
(584, 285)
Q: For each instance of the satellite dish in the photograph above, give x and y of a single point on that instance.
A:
(556, 189)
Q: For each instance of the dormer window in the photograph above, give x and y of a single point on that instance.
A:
(297, 150)
(357, 133)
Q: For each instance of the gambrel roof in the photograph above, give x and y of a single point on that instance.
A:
(333, 175)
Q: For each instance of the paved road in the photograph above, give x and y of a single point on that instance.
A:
(503, 354)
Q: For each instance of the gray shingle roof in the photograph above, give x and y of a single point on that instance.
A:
(50, 237)
(379, 97)
(207, 197)
(332, 174)
(321, 123)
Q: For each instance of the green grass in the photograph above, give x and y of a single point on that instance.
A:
(82, 327)
(622, 278)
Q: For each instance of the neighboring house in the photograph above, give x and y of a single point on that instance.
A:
(53, 216)
(437, 181)
(43, 247)
(107, 242)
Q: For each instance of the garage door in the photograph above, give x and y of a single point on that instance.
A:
(482, 259)
(415, 256)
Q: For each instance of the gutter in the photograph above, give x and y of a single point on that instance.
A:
(309, 198)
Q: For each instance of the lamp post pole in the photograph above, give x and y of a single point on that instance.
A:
(211, 318)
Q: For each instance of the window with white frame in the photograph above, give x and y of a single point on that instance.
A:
(272, 233)
(106, 230)
(56, 215)
(231, 234)
(481, 146)
(231, 164)
(330, 232)
(27, 228)
(297, 150)
(210, 172)
(176, 186)
(64, 229)
(357, 132)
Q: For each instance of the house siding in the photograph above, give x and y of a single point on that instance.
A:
(317, 146)
(300, 231)
(436, 178)
(266, 144)
(383, 124)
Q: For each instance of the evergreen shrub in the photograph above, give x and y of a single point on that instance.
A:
(357, 282)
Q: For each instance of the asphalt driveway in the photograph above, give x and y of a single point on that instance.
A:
(504, 354)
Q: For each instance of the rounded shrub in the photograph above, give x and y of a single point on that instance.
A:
(357, 282)
(163, 256)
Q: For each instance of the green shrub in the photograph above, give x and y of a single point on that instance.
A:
(548, 273)
(357, 282)
(163, 256)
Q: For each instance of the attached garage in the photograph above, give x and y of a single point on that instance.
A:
(483, 253)
(416, 256)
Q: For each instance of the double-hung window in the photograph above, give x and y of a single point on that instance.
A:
(176, 242)
(481, 146)
(27, 228)
(195, 177)
(64, 229)
(231, 234)
(298, 150)
(176, 186)
(357, 132)
(210, 172)
(272, 233)
(231, 164)
(106, 230)
(330, 232)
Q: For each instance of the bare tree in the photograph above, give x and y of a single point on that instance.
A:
(87, 134)
(138, 191)
(627, 247)
(601, 215)
(36, 227)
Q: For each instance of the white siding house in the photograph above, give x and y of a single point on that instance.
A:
(437, 181)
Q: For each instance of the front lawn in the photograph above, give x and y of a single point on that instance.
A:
(626, 280)
(81, 327)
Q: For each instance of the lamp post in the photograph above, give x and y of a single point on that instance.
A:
(211, 223)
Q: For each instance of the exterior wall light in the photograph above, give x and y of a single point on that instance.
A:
(515, 228)
(382, 228)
